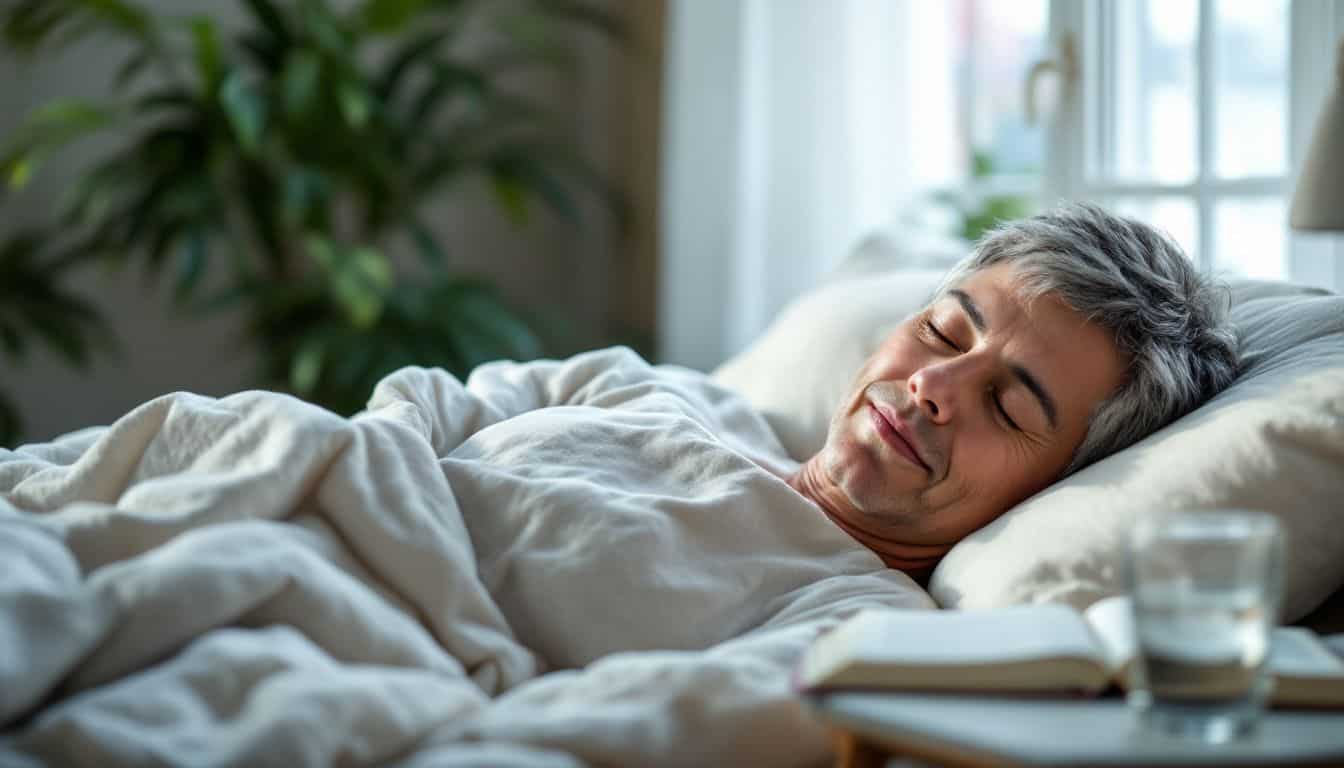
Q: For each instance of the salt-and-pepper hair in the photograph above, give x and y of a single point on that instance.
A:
(1168, 319)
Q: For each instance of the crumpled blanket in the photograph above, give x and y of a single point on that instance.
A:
(256, 581)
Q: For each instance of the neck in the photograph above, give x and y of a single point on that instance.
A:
(917, 560)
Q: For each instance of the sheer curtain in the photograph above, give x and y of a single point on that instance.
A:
(792, 128)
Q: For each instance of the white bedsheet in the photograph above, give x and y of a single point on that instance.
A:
(442, 580)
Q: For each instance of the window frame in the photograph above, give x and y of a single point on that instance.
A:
(1314, 29)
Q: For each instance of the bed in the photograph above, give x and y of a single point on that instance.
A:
(294, 605)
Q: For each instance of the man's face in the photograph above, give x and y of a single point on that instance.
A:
(966, 409)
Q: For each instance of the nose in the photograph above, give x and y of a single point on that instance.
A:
(940, 388)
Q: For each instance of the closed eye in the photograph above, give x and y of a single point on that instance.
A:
(932, 330)
(998, 403)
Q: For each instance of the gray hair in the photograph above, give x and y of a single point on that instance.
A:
(1167, 318)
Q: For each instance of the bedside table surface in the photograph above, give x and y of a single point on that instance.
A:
(992, 730)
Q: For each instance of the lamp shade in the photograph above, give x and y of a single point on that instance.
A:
(1318, 201)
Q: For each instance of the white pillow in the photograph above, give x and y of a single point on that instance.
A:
(1272, 441)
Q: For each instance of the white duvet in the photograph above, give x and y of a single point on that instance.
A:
(592, 561)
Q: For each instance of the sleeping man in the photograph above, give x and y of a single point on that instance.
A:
(590, 560)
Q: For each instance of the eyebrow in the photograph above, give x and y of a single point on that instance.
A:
(1029, 381)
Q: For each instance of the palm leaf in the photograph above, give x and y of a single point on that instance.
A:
(46, 130)
(32, 24)
(246, 110)
(32, 300)
(427, 245)
(587, 15)
(404, 60)
(209, 66)
(299, 82)
(446, 79)
(131, 69)
(29, 23)
(389, 16)
(119, 14)
(271, 21)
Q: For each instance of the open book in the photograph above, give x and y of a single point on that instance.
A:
(1030, 649)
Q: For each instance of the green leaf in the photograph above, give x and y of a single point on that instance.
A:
(387, 16)
(351, 368)
(498, 322)
(122, 15)
(982, 164)
(533, 173)
(304, 190)
(47, 129)
(191, 262)
(271, 20)
(29, 23)
(21, 170)
(266, 53)
(510, 192)
(264, 212)
(162, 240)
(169, 99)
(402, 61)
(323, 252)
(428, 245)
(360, 278)
(588, 15)
(447, 80)
(51, 321)
(130, 69)
(324, 28)
(306, 368)
(245, 110)
(356, 103)
(363, 285)
(566, 163)
(208, 60)
(303, 70)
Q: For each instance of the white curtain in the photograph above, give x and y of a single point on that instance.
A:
(792, 128)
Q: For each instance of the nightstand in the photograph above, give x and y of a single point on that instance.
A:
(983, 731)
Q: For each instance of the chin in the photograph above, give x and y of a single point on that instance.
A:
(850, 467)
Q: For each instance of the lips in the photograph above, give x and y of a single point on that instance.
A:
(897, 435)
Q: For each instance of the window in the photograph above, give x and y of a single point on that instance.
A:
(1185, 114)
(988, 48)
(1189, 114)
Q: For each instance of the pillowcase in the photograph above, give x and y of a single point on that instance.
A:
(1273, 441)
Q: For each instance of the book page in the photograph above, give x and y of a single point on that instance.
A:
(1296, 651)
(994, 636)
(1020, 648)
(1112, 622)
(1307, 672)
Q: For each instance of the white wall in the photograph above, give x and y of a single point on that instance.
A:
(791, 130)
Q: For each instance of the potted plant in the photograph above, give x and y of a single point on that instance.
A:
(288, 155)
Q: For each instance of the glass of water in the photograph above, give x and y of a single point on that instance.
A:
(1206, 590)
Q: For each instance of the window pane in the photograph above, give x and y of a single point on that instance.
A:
(993, 46)
(1007, 39)
(1149, 120)
(1251, 87)
(1251, 238)
(985, 48)
(1173, 215)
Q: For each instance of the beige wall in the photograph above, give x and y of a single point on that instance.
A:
(597, 281)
